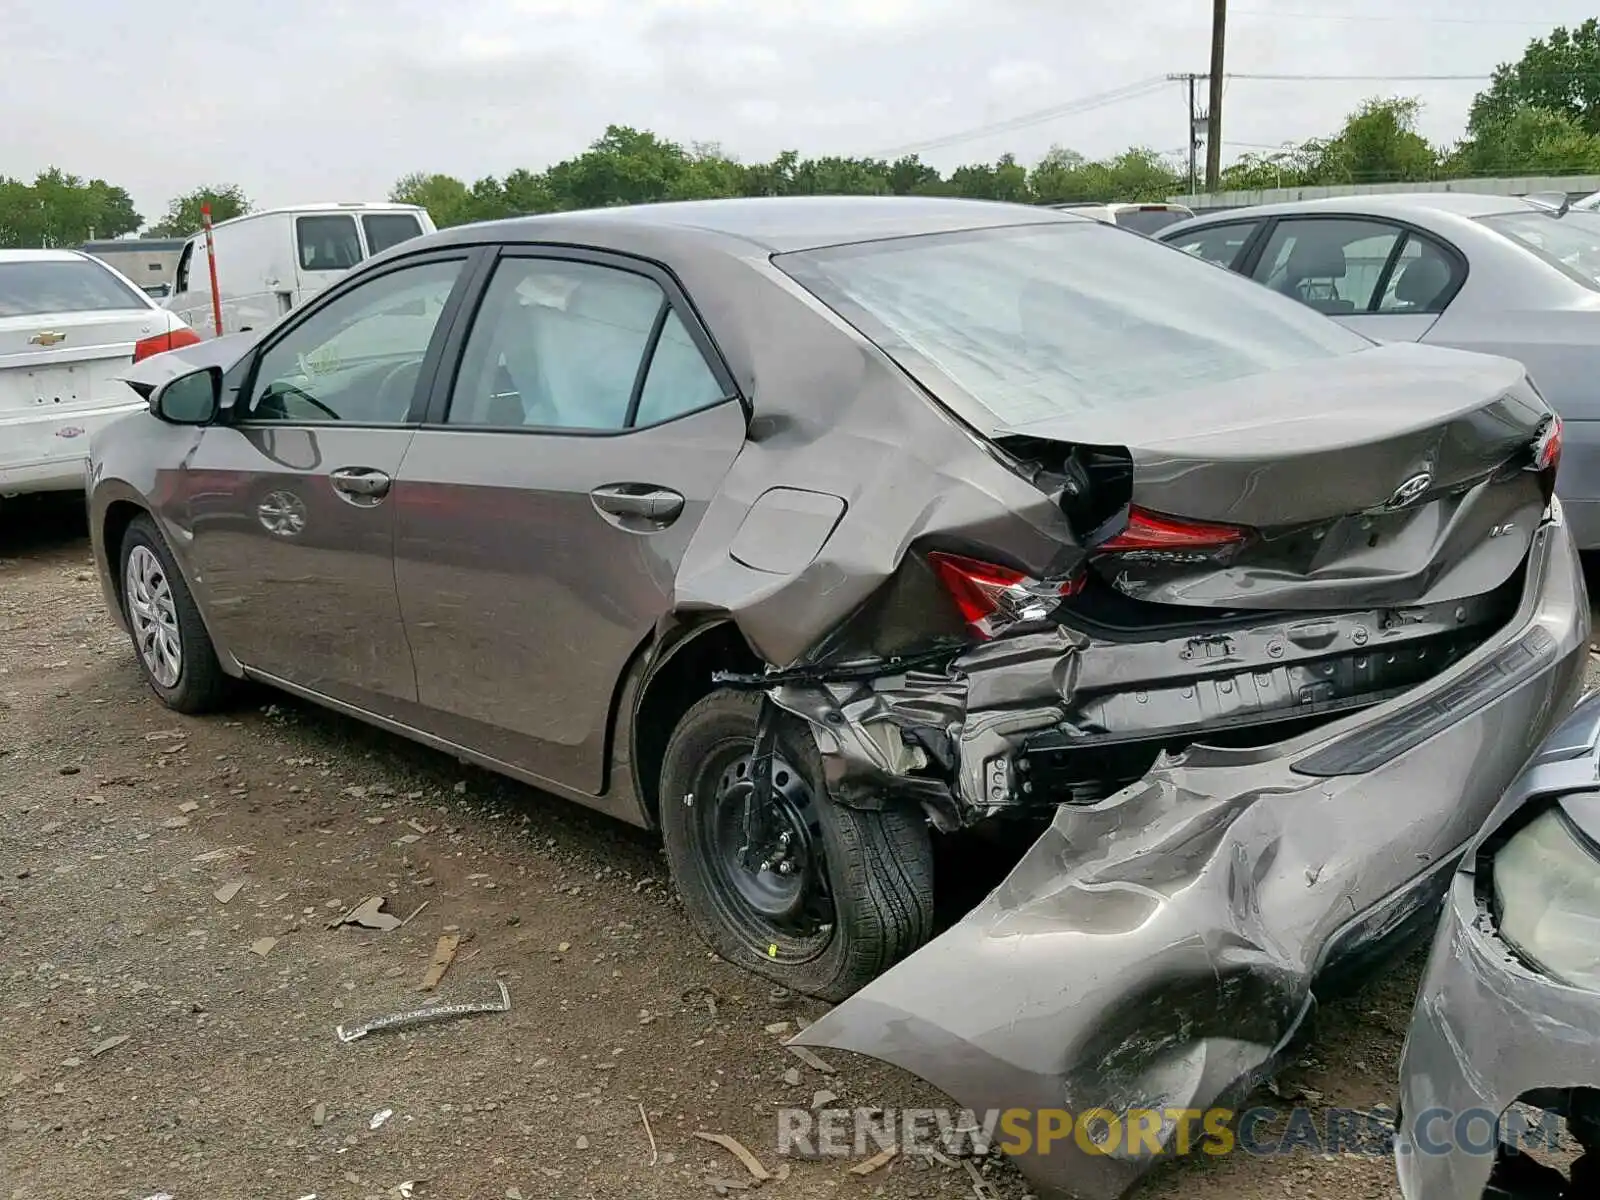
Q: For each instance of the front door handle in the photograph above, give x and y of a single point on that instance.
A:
(360, 485)
(639, 502)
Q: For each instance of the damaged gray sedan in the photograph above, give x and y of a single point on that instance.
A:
(1509, 1009)
(813, 530)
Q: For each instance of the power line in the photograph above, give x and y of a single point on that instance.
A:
(1362, 78)
(1419, 18)
(1083, 104)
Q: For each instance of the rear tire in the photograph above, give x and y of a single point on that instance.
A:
(169, 639)
(865, 878)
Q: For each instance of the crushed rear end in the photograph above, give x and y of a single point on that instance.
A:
(1262, 640)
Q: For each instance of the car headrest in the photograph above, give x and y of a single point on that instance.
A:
(1312, 259)
(1422, 281)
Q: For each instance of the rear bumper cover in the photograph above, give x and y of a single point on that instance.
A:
(1486, 1029)
(46, 451)
(1158, 950)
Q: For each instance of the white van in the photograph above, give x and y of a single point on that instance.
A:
(270, 262)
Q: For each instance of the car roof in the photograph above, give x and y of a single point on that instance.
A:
(776, 224)
(1393, 204)
(39, 255)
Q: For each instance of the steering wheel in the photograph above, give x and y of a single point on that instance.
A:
(391, 381)
(282, 387)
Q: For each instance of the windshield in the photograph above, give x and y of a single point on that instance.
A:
(62, 286)
(1150, 220)
(1570, 243)
(1037, 321)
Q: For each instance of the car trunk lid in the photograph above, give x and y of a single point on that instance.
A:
(58, 362)
(1393, 476)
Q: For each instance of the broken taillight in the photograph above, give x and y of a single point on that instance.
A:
(991, 598)
(1148, 531)
(1547, 450)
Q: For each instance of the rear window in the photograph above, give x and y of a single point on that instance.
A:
(389, 229)
(1039, 321)
(1149, 220)
(1570, 244)
(62, 286)
(328, 243)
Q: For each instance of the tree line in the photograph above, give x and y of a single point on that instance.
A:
(1540, 115)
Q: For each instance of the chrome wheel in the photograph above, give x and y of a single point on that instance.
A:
(153, 616)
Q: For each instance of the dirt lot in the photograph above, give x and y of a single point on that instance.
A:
(157, 1038)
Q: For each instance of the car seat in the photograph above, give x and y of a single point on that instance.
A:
(1422, 283)
(1312, 274)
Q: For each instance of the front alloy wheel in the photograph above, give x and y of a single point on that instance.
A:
(153, 617)
(175, 651)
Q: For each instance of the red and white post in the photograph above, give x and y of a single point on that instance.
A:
(211, 262)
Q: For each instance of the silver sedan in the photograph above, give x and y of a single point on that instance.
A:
(1499, 274)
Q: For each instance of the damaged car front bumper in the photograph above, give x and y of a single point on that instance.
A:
(1158, 950)
(1492, 1028)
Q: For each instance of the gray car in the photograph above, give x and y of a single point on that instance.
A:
(1498, 274)
(1509, 1007)
(810, 531)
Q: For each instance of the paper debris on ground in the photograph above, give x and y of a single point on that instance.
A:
(733, 1147)
(444, 953)
(438, 1012)
(228, 891)
(221, 853)
(811, 1060)
(882, 1159)
(369, 914)
(379, 1117)
(263, 946)
(111, 1043)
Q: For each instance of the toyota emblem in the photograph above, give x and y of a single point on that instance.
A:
(1411, 490)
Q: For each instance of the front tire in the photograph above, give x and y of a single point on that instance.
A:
(847, 893)
(169, 639)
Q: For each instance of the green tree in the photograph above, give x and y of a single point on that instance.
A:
(1379, 144)
(1531, 141)
(1559, 73)
(447, 199)
(58, 209)
(183, 218)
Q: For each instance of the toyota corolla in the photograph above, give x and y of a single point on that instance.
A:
(810, 531)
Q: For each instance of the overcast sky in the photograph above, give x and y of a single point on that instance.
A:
(301, 100)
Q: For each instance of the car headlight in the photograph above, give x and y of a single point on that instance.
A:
(1547, 889)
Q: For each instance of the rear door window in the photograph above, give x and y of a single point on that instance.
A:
(384, 230)
(1425, 278)
(1333, 265)
(328, 243)
(1220, 244)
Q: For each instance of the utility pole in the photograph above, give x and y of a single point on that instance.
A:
(1219, 22)
(1197, 122)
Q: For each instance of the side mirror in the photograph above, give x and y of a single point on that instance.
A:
(192, 399)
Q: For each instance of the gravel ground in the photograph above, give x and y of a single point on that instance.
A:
(169, 984)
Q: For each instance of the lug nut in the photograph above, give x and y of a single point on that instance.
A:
(786, 868)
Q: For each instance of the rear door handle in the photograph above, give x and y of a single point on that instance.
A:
(360, 484)
(639, 502)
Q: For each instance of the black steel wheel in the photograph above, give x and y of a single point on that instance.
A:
(813, 895)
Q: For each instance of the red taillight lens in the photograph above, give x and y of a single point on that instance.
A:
(1153, 531)
(162, 342)
(1547, 450)
(990, 597)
